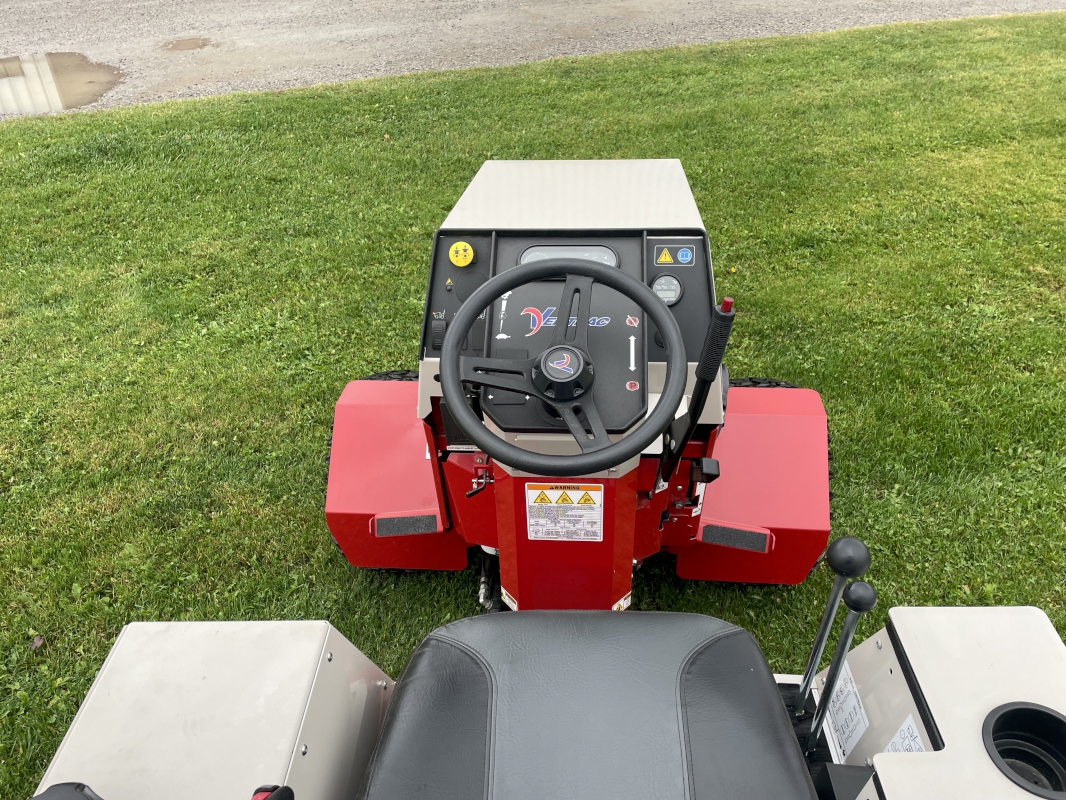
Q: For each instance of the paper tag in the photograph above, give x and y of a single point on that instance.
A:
(698, 509)
(571, 512)
(907, 738)
(508, 599)
(847, 720)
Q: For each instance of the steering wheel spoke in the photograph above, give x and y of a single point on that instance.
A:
(586, 406)
(582, 287)
(499, 373)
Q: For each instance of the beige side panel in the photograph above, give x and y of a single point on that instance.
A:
(192, 709)
(341, 725)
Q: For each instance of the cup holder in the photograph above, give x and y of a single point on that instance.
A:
(1028, 743)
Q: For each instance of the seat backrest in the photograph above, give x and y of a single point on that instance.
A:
(587, 704)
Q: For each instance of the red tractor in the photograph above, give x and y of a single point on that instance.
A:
(569, 418)
(571, 415)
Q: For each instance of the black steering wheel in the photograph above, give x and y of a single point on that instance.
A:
(563, 376)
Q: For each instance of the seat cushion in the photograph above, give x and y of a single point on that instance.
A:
(586, 705)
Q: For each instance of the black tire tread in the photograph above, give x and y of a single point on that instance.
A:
(393, 375)
(760, 383)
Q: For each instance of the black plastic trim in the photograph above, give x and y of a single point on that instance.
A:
(1034, 742)
(425, 309)
(877, 785)
(931, 730)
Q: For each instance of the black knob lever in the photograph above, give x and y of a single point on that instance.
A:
(849, 558)
(680, 431)
(715, 343)
(859, 597)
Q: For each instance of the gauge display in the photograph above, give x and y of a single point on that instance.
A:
(589, 252)
(668, 288)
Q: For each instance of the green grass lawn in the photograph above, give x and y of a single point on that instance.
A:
(186, 288)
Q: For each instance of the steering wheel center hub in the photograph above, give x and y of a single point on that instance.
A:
(562, 373)
(562, 364)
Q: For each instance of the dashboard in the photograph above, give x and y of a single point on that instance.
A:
(520, 325)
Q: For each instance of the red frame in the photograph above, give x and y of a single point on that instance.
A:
(773, 456)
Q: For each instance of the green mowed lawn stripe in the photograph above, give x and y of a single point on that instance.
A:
(186, 288)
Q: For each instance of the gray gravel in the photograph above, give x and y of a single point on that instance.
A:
(276, 44)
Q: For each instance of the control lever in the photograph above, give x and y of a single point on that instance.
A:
(715, 343)
(848, 557)
(859, 597)
(680, 431)
(480, 481)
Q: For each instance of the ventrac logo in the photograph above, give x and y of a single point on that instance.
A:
(563, 363)
(546, 319)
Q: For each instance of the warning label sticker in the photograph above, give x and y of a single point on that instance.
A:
(662, 255)
(571, 512)
(907, 738)
(847, 720)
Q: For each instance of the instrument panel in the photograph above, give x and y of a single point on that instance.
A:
(521, 324)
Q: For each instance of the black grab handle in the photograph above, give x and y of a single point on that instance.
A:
(717, 339)
(681, 430)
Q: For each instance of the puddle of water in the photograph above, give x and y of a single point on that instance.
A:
(43, 82)
(198, 43)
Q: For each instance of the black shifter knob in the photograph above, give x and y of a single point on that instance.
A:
(848, 557)
(860, 597)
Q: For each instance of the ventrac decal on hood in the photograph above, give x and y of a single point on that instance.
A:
(546, 319)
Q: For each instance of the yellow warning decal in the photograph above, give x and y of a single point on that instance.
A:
(664, 257)
(552, 514)
(461, 254)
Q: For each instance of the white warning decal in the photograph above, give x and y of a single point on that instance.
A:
(847, 720)
(571, 512)
(907, 738)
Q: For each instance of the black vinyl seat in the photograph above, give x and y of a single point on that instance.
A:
(549, 705)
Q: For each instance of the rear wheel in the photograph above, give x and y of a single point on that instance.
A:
(761, 383)
(393, 375)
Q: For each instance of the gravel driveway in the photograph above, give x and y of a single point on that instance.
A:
(183, 48)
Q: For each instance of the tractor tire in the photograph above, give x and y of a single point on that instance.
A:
(393, 375)
(760, 383)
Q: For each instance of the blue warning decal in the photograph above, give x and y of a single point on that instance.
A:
(684, 255)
